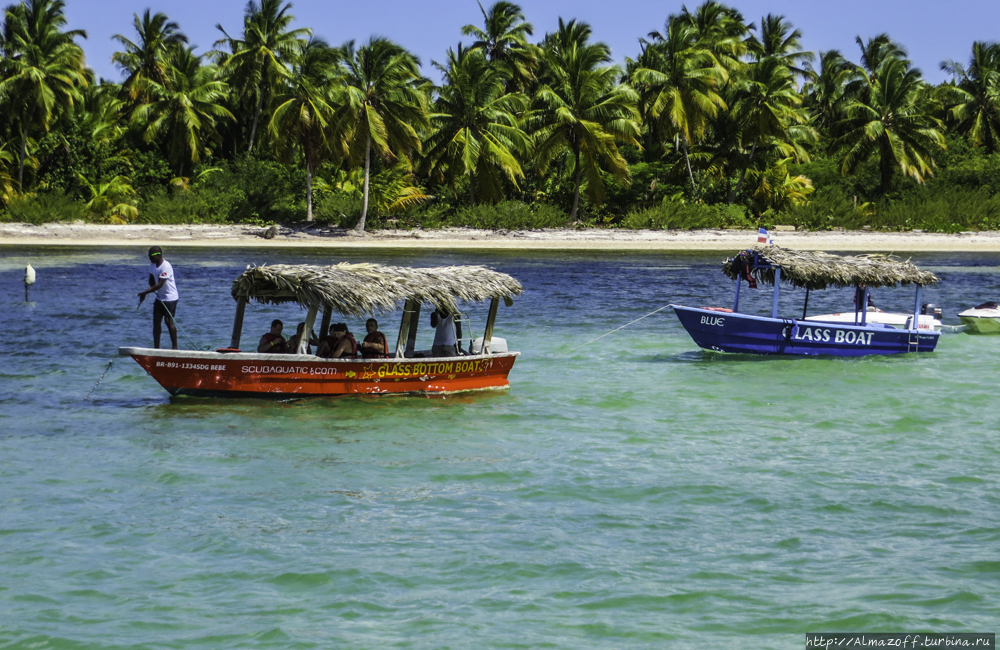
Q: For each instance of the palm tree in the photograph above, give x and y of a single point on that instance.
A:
(679, 81)
(303, 113)
(582, 108)
(380, 105)
(261, 59)
(766, 105)
(721, 30)
(110, 201)
(974, 98)
(777, 39)
(184, 110)
(41, 70)
(145, 60)
(889, 113)
(504, 41)
(824, 94)
(476, 130)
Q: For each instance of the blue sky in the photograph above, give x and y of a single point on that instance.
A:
(931, 31)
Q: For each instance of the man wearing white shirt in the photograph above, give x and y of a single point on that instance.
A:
(161, 281)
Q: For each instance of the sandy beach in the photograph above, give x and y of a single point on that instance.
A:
(81, 234)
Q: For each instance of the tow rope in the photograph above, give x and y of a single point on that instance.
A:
(612, 331)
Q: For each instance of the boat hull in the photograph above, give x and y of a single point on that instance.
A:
(981, 321)
(726, 331)
(280, 376)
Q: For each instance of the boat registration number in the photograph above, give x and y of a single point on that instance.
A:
(189, 366)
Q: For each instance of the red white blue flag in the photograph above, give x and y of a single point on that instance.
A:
(763, 237)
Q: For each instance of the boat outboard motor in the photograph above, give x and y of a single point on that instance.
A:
(932, 309)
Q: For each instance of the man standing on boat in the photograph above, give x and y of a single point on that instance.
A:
(444, 335)
(161, 281)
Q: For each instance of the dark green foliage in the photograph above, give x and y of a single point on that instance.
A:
(509, 215)
(192, 206)
(677, 215)
(259, 189)
(44, 208)
(950, 210)
(338, 209)
(827, 210)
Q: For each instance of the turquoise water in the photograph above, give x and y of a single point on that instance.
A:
(632, 493)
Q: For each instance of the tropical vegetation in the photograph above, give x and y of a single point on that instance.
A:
(714, 121)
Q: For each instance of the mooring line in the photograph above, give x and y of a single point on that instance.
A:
(114, 358)
(194, 345)
(612, 331)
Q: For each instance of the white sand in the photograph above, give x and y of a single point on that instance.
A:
(80, 234)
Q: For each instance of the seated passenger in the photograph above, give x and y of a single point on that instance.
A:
(339, 345)
(273, 342)
(293, 343)
(374, 346)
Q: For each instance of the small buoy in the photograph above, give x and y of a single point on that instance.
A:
(29, 279)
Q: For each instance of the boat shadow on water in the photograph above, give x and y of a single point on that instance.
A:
(703, 357)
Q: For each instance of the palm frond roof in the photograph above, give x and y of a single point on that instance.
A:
(818, 270)
(365, 289)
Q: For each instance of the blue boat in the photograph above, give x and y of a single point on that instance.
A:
(727, 330)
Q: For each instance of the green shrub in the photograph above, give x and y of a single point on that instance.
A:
(199, 205)
(44, 208)
(433, 214)
(509, 215)
(826, 210)
(338, 209)
(952, 210)
(677, 215)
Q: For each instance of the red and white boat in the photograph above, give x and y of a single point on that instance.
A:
(353, 290)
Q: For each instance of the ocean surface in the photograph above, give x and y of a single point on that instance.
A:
(630, 492)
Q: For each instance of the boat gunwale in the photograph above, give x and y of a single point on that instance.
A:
(130, 351)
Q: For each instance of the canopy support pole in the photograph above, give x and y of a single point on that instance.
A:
(490, 320)
(916, 310)
(307, 332)
(241, 306)
(411, 313)
(777, 291)
(324, 328)
(805, 305)
(864, 307)
(736, 302)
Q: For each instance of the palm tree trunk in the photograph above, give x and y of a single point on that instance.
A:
(309, 191)
(743, 174)
(576, 185)
(256, 118)
(23, 152)
(687, 159)
(886, 166)
(364, 202)
(307, 155)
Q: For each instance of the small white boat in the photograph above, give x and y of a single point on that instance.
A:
(982, 319)
(876, 316)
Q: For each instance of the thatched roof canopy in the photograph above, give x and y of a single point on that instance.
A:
(364, 289)
(820, 270)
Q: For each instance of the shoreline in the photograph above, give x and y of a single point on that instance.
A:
(235, 235)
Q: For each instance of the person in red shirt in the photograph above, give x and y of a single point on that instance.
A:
(340, 344)
(273, 342)
(374, 346)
